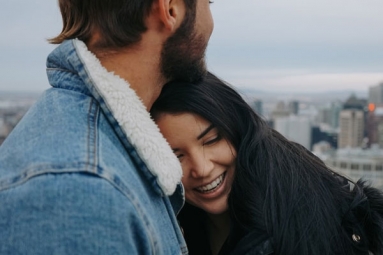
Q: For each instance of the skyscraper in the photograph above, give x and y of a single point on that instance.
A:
(294, 107)
(258, 106)
(295, 128)
(375, 94)
(280, 111)
(375, 125)
(351, 123)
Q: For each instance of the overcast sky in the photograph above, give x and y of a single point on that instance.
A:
(270, 45)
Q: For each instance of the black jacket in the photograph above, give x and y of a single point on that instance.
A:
(193, 222)
(253, 243)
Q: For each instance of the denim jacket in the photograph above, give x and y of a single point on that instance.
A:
(86, 171)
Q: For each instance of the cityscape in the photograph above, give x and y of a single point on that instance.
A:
(13, 106)
(344, 129)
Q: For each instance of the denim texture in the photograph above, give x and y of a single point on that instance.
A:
(71, 183)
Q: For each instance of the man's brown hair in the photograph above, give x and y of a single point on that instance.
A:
(119, 22)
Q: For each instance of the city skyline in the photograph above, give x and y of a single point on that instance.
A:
(295, 46)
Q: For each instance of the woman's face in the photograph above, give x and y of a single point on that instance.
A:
(207, 159)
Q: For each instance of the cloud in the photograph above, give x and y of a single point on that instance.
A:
(298, 45)
(326, 43)
(298, 21)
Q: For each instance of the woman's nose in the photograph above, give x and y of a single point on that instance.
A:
(201, 166)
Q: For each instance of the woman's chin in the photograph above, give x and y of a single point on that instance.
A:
(216, 210)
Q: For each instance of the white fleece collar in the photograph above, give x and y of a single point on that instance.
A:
(130, 113)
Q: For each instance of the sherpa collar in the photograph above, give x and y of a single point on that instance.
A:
(131, 114)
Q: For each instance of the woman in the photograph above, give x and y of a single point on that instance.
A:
(251, 191)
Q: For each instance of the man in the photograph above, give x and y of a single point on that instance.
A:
(86, 171)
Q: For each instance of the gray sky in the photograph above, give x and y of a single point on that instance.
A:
(295, 45)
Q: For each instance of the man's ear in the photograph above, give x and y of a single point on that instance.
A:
(171, 13)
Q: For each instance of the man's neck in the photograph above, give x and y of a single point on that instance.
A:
(140, 68)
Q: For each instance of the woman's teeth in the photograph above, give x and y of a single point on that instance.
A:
(211, 186)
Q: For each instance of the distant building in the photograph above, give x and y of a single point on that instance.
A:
(295, 128)
(258, 106)
(324, 115)
(356, 163)
(335, 109)
(374, 121)
(3, 130)
(293, 107)
(309, 111)
(322, 147)
(279, 111)
(351, 124)
(375, 94)
(375, 125)
(318, 136)
(329, 114)
(356, 104)
(9, 117)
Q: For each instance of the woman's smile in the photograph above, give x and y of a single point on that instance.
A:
(213, 186)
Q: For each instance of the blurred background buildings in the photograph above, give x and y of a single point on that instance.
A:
(347, 134)
(345, 131)
(13, 106)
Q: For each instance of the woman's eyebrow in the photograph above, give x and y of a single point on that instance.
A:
(205, 131)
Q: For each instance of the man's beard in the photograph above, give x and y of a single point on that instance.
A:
(183, 54)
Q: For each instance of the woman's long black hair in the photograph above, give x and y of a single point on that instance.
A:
(281, 189)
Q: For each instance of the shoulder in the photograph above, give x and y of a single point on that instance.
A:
(72, 209)
(54, 130)
(63, 132)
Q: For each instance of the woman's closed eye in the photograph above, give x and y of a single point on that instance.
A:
(213, 140)
(178, 153)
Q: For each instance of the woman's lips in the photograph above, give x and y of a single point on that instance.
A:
(213, 186)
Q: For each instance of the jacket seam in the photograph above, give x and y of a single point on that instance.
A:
(93, 116)
(60, 69)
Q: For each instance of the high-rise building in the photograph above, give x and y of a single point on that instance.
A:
(351, 123)
(329, 114)
(354, 103)
(324, 115)
(294, 107)
(258, 106)
(279, 111)
(375, 94)
(356, 163)
(335, 109)
(375, 125)
(295, 128)
(318, 136)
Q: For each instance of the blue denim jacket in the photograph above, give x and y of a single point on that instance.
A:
(86, 170)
